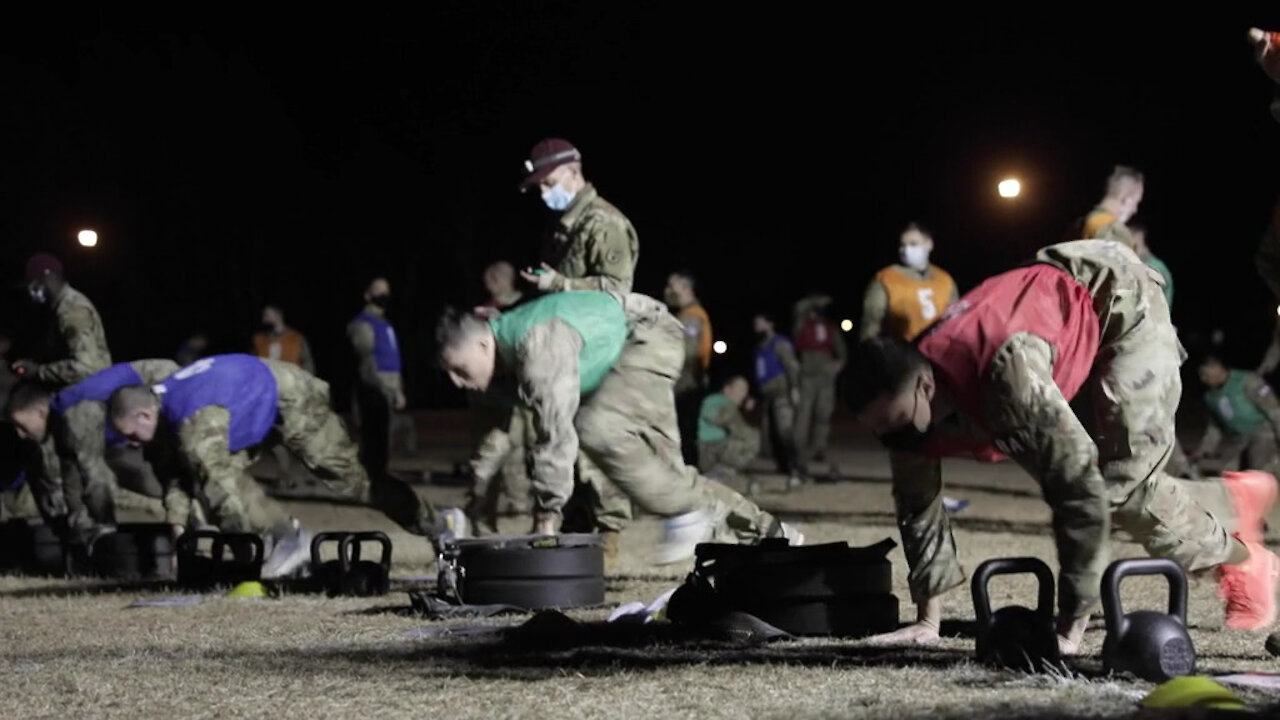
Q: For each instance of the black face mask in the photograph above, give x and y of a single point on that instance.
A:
(381, 301)
(907, 438)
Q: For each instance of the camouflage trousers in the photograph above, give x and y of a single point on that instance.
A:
(734, 452)
(628, 429)
(310, 429)
(1255, 451)
(813, 416)
(777, 430)
(499, 464)
(1099, 461)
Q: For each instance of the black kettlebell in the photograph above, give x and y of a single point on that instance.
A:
(1015, 637)
(363, 578)
(196, 571)
(326, 575)
(1153, 645)
(245, 563)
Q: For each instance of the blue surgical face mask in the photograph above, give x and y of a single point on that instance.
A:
(557, 198)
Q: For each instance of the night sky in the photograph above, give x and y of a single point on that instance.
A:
(293, 158)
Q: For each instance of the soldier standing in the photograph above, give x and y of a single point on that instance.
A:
(379, 390)
(698, 340)
(1107, 221)
(81, 344)
(777, 373)
(588, 245)
(277, 341)
(822, 356)
(904, 298)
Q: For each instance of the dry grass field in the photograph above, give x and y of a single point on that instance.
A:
(76, 649)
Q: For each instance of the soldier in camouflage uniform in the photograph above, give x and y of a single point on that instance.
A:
(223, 407)
(995, 375)
(727, 443)
(1107, 220)
(83, 475)
(777, 376)
(823, 353)
(597, 371)
(379, 389)
(1244, 418)
(81, 343)
(589, 245)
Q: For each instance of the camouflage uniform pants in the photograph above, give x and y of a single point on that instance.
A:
(628, 428)
(734, 452)
(1255, 451)
(498, 466)
(1098, 465)
(777, 430)
(311, 430)
(813, 416)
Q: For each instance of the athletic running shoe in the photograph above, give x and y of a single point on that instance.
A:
(1249, 589)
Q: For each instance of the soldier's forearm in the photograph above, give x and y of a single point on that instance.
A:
(64, 372)
(875, 303)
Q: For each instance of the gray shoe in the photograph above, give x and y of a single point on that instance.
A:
(290, 551)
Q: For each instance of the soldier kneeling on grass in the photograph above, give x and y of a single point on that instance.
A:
(996, 375)
(222, 408)
(727, 443)
(597, 371)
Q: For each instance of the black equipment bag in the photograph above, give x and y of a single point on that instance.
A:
(830, 589)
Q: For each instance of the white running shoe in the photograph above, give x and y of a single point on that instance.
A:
(290, 551)
(681, 534)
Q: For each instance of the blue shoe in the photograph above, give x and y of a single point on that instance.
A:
(952, 505)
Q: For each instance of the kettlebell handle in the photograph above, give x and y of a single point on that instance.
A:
(1010, 566)
(322, 538)
(227, 540)
(189, 541)
(349, 550)
(1120, 569)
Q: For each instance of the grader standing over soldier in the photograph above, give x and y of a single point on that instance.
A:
(589, 244)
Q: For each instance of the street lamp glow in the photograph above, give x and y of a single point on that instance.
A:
(87, 238)
(1009, 188)
(846, 325)
(719, 347)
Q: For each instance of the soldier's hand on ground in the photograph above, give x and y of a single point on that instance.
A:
(26, 368)
(544, 277)
(399, 401)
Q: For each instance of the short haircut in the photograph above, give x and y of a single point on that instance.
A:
(454, 326)
(24, 395)
(918, 227)
(1119, 175)
(878, 366)
(129, 399)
